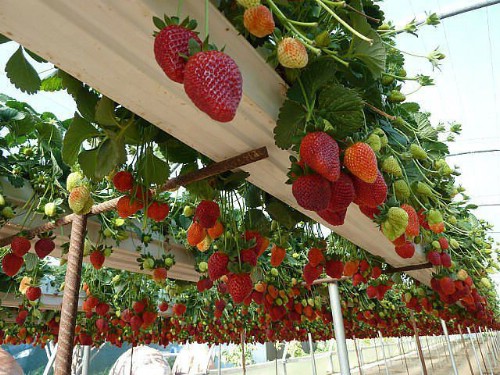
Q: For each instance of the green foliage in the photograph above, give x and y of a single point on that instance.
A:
(21, 73)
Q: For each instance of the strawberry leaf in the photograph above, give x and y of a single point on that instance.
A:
(292, 117)
(21, 73)
(79, 130)
(152, 169)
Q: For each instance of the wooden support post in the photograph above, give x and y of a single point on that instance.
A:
(243, 352)
(70, 296)
(465, 348)
(417, 340)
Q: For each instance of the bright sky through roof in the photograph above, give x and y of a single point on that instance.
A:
(467, 90)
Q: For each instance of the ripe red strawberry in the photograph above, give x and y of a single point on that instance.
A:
(370, 195)
(320, 152)
(148, 318)
(179, 309)
(204, 284)
(413, 228)
(207, 213)
(102, 308)
(315, 256)
(44, 247)
(371, 291)
(434, 258)
(258, 21)
(97, 259)
(312, 192)
(443, 243)
(358, 279)
(163, 306)
(334, 218)
(239, 286)
(160, 274)
(136, 323)
(33, 293)
(334, 268)
(217, 265)
(447, 286)
(170, 44)
(277, 255)
(11, 264)
(445, 260)
(376, 272)
(139, 306)
(85, 339)
(292, 53)
(361, 161)
(248, 256)
(343, 193)
(127, 207)
(369, 211)
(437, 227)
(123, 181)
(158, 211)
(20, 245)
(406, 250)
(212, 80)
(311, 273)
(401, 240)
(102, 325)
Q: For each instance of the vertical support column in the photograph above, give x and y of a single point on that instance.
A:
(486, 353)
(419, 347)
(429, 350)
(475, 351)
(360, 362)
(465, 348)
(283, 360)
(480, 350)
(450, 349)
(219, 364)
(311, 350)
(383, 352)
(70, 296)
(243, 352)
(490, 348)
(338, 324)
(86, 360)
(330, 354)
(404, 354)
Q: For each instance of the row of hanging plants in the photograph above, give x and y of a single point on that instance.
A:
(356, 138)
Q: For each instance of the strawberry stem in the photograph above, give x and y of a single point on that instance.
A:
(206, 18)
(180, 3)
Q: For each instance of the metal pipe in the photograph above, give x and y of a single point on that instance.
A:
(465, 348)
(283, 359)
(338, 324)
(219, 364)
(311, 351)
(429, 350)
(383, 352)
(404, 355)
(86, 360)
(486, 353)
(475, 351)
(490, 348)
(450, 349)
(417, 341)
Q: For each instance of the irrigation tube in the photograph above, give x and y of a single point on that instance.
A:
(450, 349)
(338, 325)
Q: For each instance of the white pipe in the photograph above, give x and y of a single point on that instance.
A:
(450, 349)
(383, 352)
(475, 351)
(486, 352)
(283, 359)
(86, 360)
(338, 324)
(219, 365)
(311, 350)
(50, 363)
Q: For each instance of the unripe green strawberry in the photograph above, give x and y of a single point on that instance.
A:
(107, 251)
(50, 209)
(454, 244)
(436, 245)
(434, 217)
(2, 200)
(322, 39)
(248, 3)
(74, 180)
(374, 142)
(486, 283)
(148, 264)
(402, 190)
(203, 266)
(417, 152)
(387, 80)
(169, 262)
(8, 212)
(396, 96)
(383, 137)
(391, 165)
(401, 72)
(462, 275)
(424, 189)
(398, 219)
(442, 166)
(78, 199)
(188, 211)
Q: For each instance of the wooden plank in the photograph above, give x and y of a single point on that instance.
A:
(110, 47)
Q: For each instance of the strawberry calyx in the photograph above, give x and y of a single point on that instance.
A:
(189, 24)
